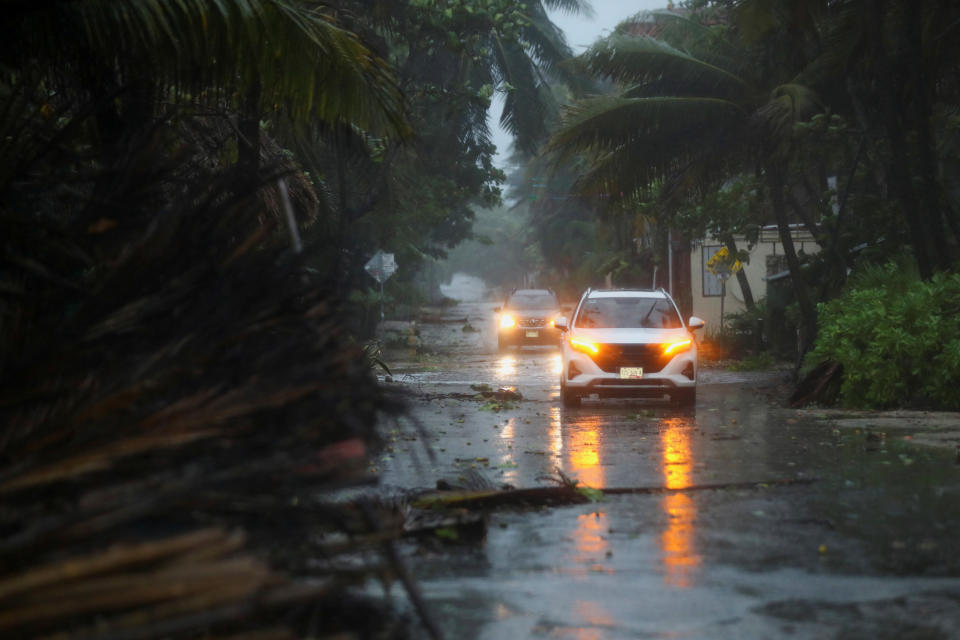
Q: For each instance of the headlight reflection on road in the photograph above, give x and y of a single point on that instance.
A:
(506, 367)
(585, 465)
(585, 453)
(678, 541)
(591, 541)
(507, 462)
(556, 436)
(597, 617)
(556, 366)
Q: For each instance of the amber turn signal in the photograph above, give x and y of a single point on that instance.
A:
(676, 347)
(588, 348)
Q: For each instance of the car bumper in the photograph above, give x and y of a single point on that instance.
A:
(544, 335)
(589, 378)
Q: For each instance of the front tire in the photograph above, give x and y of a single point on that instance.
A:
(570, 399)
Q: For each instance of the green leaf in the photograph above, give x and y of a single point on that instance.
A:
(591, 494)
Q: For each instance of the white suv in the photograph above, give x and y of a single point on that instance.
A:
(628, 343)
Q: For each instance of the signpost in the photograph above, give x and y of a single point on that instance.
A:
(381, 266)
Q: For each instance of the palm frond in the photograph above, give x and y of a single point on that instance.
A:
(788, 105)
(633, 60)
(527, 97)
(686, 160)
(606, 123)
(545, 41)
(298, 55)
(577, 7)
(705, 42)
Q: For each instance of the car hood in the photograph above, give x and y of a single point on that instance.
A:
(631, 336)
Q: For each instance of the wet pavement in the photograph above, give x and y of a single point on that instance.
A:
(758, 521)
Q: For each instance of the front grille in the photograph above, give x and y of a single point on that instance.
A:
(532, 323)
(614, 356)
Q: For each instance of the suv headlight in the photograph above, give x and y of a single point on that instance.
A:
(585, 346)
(673, 348)
(507, 321)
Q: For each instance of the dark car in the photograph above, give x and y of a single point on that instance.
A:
(528, 318)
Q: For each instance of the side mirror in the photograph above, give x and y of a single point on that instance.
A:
(560, 323)
(695, 323)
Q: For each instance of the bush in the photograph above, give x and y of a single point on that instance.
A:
(745, 330)
(897, 338)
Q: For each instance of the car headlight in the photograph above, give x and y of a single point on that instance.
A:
(585, 346)
(674, 348)
(507, 321)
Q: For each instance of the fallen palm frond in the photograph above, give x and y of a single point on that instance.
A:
(568, 492)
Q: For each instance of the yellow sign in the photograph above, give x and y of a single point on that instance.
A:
(722, 264)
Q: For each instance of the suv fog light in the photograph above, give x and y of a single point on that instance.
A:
(688, 370)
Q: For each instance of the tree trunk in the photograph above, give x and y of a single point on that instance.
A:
(339, 278)
(900, 179)
(808, 312)
(930, 193)
(804, 215)
(757, 329)
(731, 244)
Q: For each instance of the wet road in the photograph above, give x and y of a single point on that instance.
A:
(864, 544)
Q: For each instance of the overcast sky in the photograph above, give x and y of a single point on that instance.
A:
(581, 32)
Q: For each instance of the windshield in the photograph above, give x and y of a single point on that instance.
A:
(628, 313)
(533, 301)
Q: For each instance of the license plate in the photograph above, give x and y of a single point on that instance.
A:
(533, 334)
(631, 372)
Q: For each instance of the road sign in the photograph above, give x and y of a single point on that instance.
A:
(723, 265)
(381, 266)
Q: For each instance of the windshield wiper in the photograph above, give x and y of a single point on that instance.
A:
(644, 321)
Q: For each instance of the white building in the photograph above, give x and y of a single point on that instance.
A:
(766, 260)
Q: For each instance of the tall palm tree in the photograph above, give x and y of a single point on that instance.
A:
(506, 46)
(690, 113)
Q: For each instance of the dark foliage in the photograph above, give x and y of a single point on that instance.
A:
(178, 396)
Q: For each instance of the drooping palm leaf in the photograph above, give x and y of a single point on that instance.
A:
(300, 57)
(647, 61)
(577, 7)
(641, 140)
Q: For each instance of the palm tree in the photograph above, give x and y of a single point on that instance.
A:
(450, 58)
(123, 60)
(691, 112)
(507, 46)
(888, 65)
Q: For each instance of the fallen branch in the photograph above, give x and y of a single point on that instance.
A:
(568, 494)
